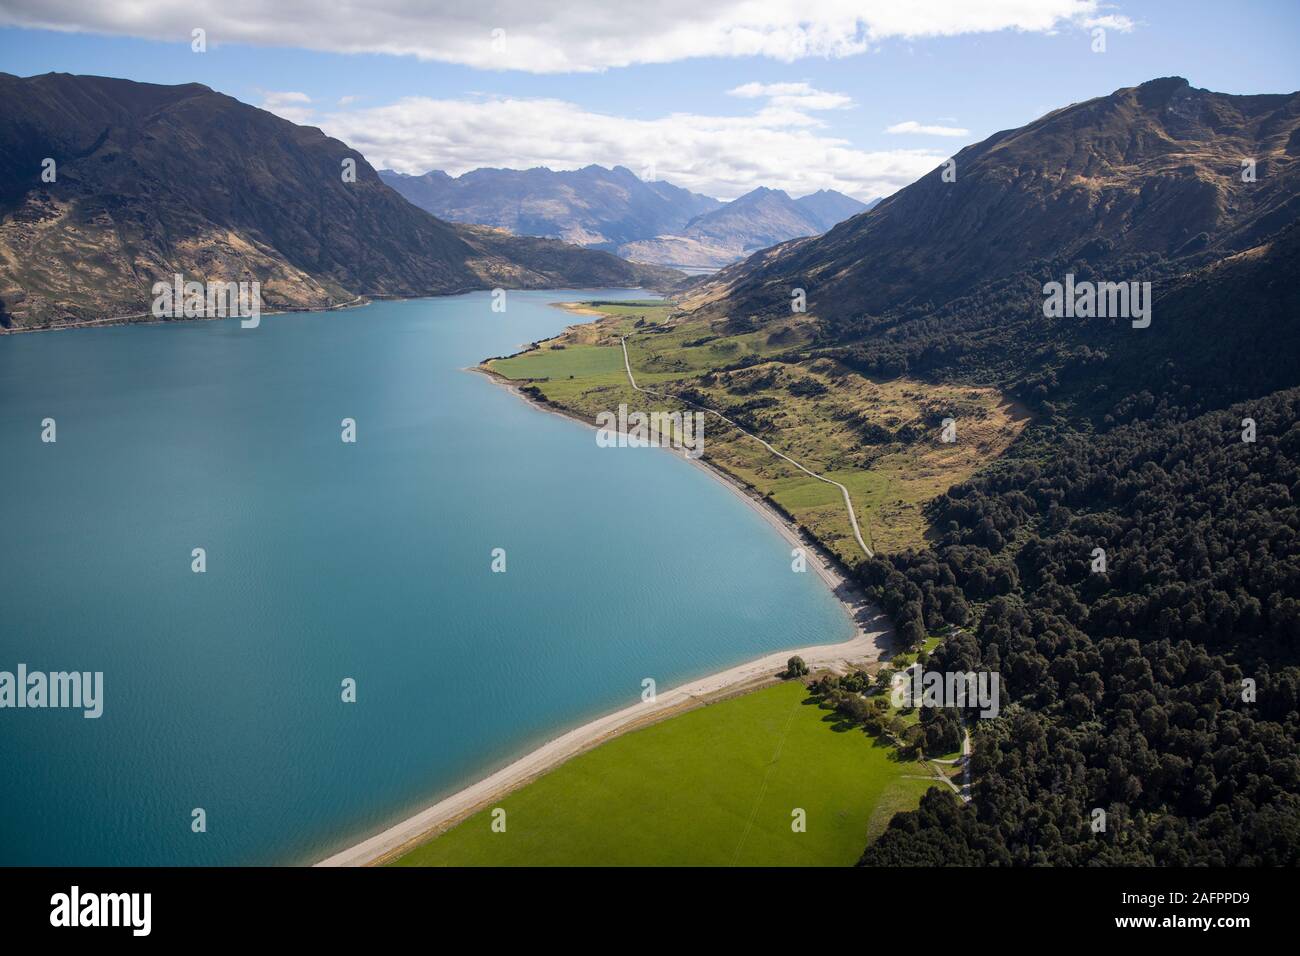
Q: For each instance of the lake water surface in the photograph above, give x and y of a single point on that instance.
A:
(328, 560)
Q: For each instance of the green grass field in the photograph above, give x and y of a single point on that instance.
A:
(547, 362)
(649, 311)
(715, 786)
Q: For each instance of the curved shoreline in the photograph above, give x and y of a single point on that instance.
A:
(873, 639)
(866, 645)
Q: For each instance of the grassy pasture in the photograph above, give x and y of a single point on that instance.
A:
(715, 786)
(881, 439)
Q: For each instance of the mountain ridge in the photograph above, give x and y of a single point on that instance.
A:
(761, 218)
(152, 180)
(1150, 170)
(654, 221)
(588, 206)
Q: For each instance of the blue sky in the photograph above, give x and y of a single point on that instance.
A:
(456, 101)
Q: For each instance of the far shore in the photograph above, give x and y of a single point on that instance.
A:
(148, 318)
(873, 640)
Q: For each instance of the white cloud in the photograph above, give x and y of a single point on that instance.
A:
(1109, 22)
(799, 96)
(555, 36)
(292, 105)
(722, 156)
(912, 126)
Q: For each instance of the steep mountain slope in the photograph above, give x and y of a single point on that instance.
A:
(588, 206)
(156, 180)
(1153, 170)
(758, 219)
(1219, 333)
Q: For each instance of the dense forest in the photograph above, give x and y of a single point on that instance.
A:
(1122, 690)
(1163, 690)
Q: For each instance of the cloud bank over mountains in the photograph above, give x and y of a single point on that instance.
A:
(782, 144)
(557, 36)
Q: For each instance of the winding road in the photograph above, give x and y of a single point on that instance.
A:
(848, 502)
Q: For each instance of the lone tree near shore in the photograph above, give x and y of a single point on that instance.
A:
(795, 667)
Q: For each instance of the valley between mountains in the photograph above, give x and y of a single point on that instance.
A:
(1105, 513)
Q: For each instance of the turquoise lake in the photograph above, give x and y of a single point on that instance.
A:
(328, 560)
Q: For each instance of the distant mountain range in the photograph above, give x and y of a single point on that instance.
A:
(758, 219)
(155, 180)
(589, 206)
(652, 222)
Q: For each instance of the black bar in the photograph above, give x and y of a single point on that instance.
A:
(946, 907)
